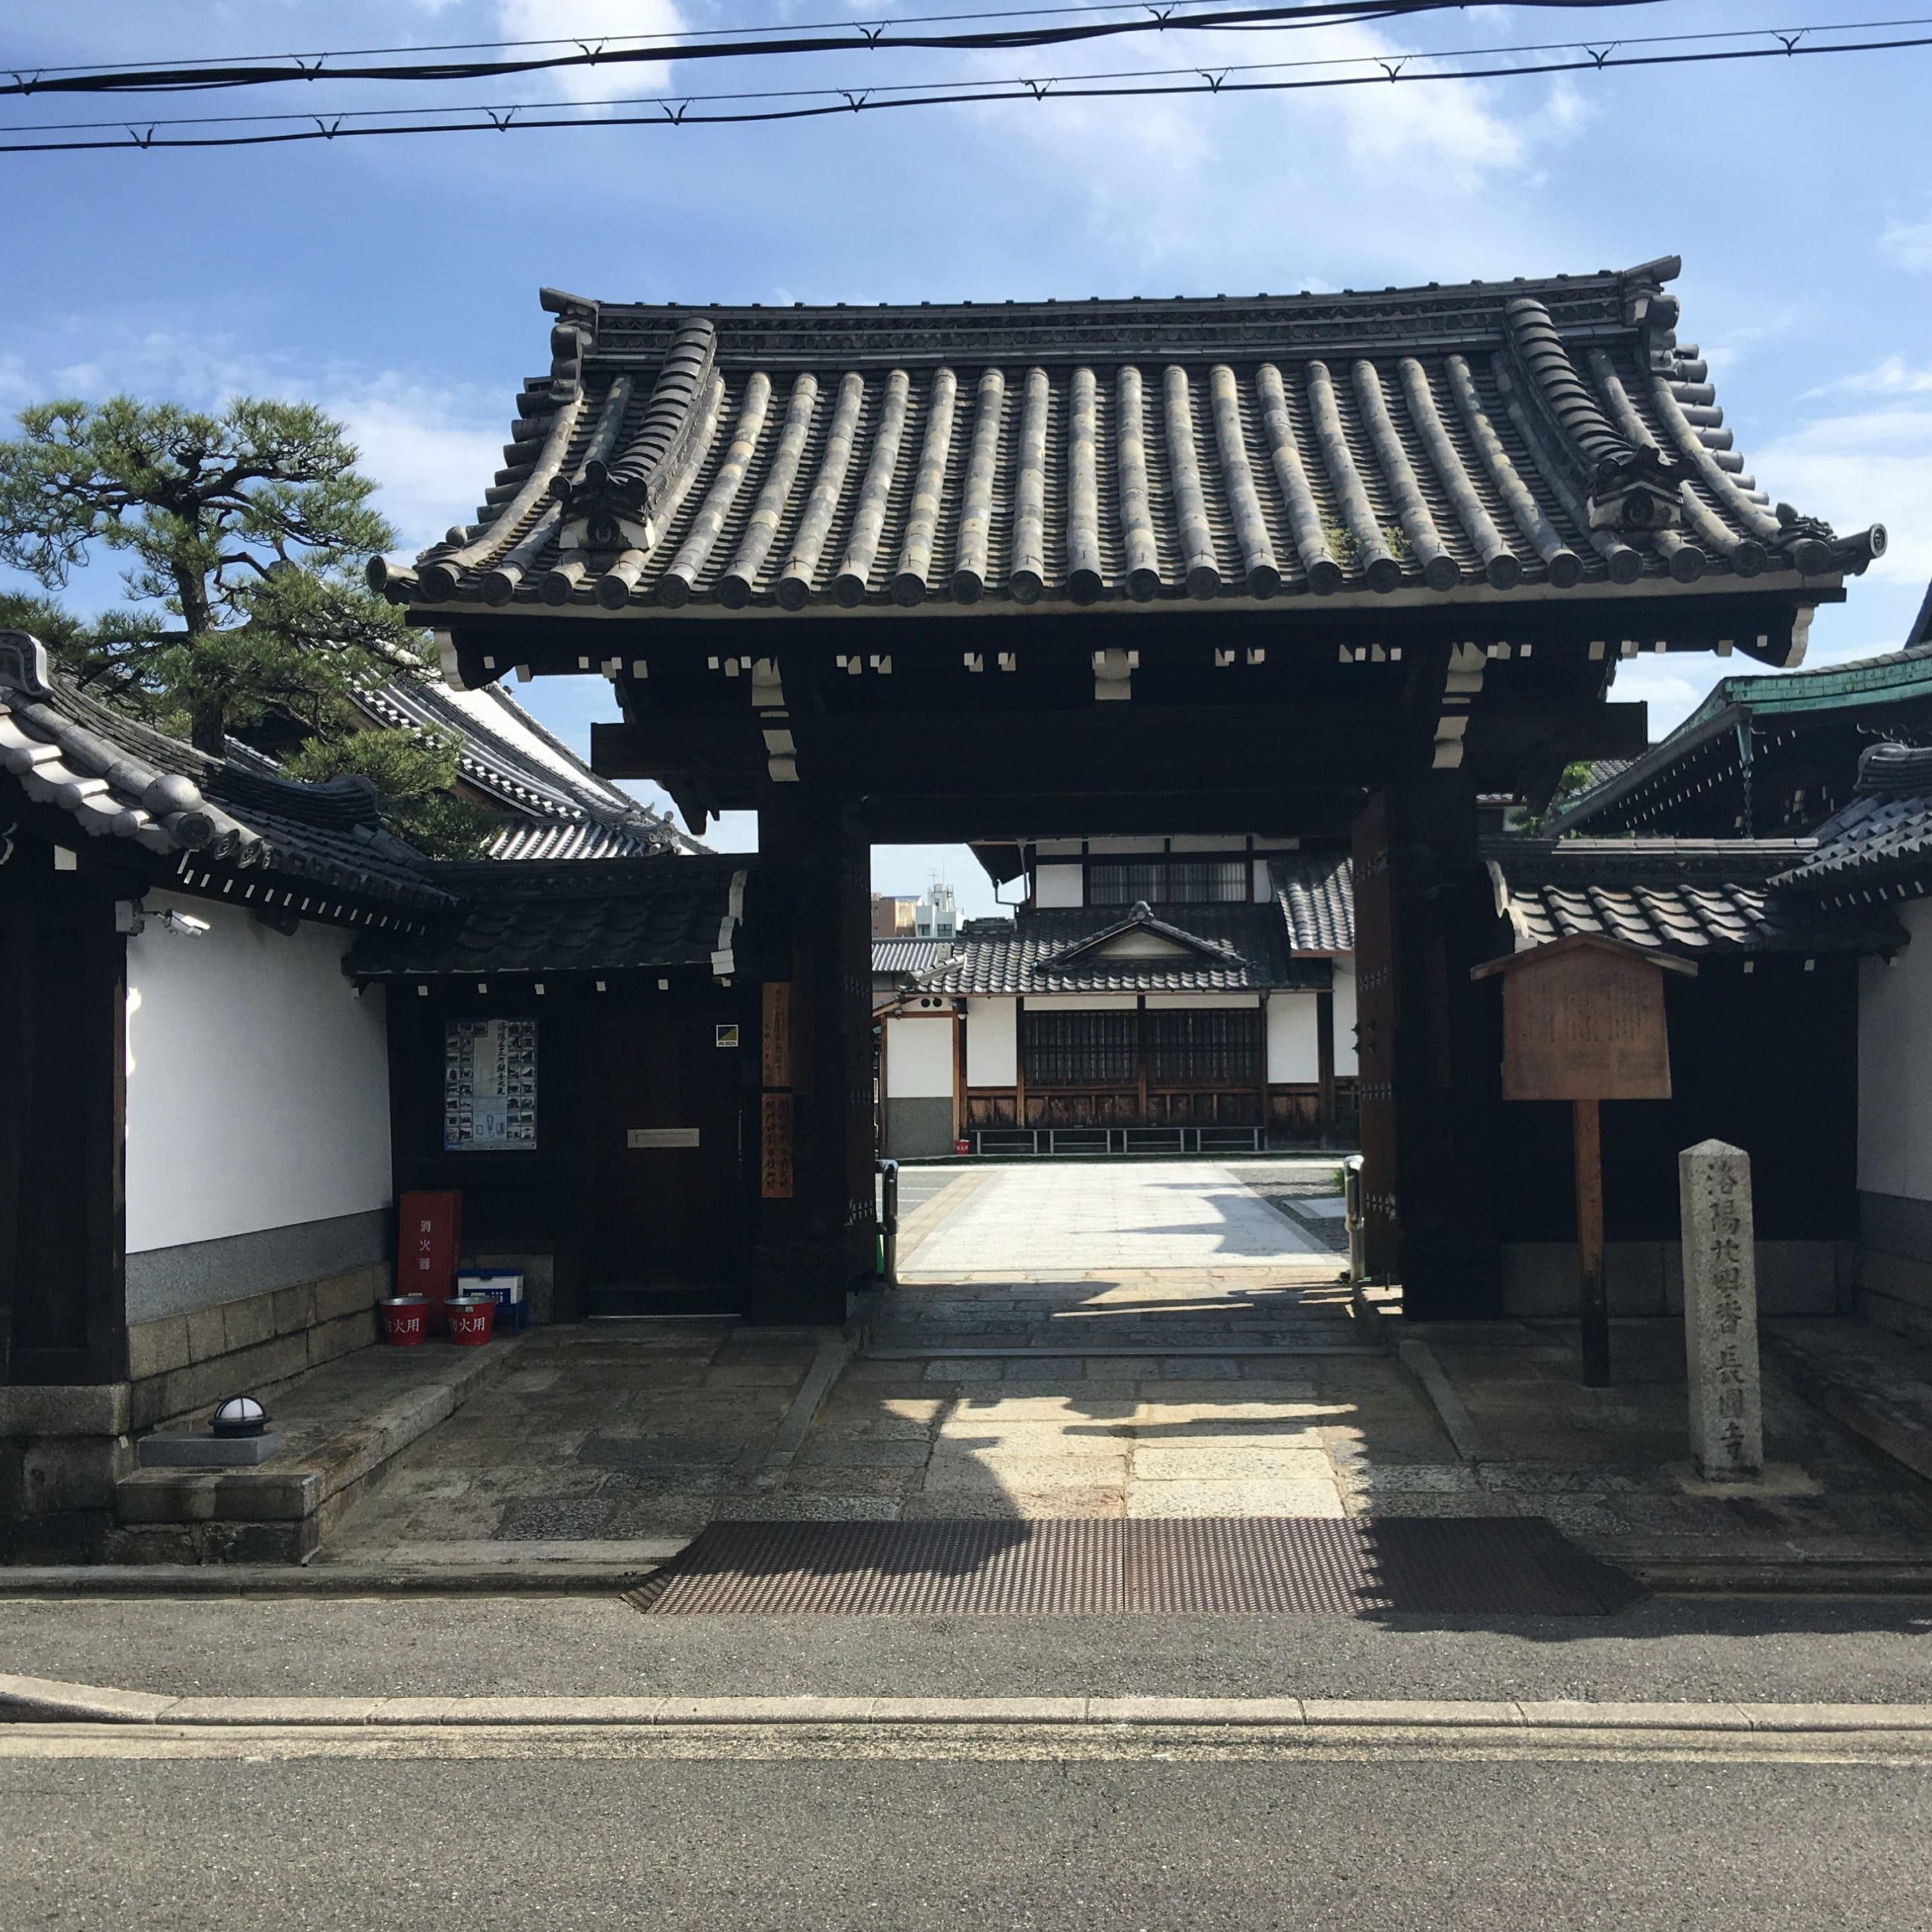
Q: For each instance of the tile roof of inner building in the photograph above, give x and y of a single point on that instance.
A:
(1686, 897)
(908, 956)
(1116, 452)
(1316, 892)
(1245, 950)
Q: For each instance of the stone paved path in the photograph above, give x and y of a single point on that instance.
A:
(1053, 1216)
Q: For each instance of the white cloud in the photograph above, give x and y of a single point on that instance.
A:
(1660, 683)
(1394, 173)
(1909, 244)
(1874, 466)
(431, 447)
(589, 21)
(1893, 376)
(431, 450)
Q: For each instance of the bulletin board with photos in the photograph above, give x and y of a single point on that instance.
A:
(490, 1086)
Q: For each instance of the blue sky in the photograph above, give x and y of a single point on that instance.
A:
(396, 282)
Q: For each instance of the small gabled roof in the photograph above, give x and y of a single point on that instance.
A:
(1106, 942)
(1232, 948)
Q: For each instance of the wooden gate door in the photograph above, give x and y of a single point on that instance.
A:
(1375, 1024)
(664, 1207)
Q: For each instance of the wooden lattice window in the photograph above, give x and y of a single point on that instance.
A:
(1080, 1050)
(1212, 1049)
(1168, 881)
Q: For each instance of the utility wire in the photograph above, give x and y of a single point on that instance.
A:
(586, 114)
(1376, 70)
(1393, 69)
(150, 79)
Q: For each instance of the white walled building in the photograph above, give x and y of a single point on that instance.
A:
(1190, 992)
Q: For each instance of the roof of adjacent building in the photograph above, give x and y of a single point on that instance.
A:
(907, 957)
(1316, 892)
(294, 846)
(1880, 846)
(555, 807)
(597, 916)
(1214, 949)
(1708, 743)
(1689, 897)
(1490, 436)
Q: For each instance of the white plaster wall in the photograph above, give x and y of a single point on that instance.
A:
(1345, 1016)
(1081, 1002)
(918, 1059)
(1058, 886)
(1293, 1053)
(1895, 1066)
(992, 1032)
(257, 1082)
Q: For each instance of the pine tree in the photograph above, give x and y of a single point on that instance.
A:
(246, 610)
(245, 531)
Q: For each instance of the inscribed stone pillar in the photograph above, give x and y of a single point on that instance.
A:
(1721, 1310)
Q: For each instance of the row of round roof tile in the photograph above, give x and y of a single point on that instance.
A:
(1449, 441)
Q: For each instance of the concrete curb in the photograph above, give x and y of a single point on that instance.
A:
(827, 1366)
(34, 1700)
(1418, 1358)
(293, 1580)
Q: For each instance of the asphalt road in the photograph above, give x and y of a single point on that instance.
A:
(1817, 1649)
(1410, 1846)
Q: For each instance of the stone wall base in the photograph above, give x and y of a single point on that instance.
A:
(1895, 1264)
(1646, 1278)
(63, 1449)
(184, 1363)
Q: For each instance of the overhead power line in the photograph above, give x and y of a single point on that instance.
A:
(616, 51)
(738, 110)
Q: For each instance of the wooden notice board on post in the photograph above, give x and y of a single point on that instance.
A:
(1583, 1021)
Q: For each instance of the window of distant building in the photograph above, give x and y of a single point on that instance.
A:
(1169, 882)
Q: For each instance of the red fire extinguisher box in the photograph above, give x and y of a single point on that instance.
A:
(428, 1245)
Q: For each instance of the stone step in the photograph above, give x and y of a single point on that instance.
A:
(1871, 1381)
(342, 1425)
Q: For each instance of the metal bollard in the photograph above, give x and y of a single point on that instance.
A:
(888, 1226)
(1356, 1227)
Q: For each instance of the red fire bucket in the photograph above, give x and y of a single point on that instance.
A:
(404, 1317)
(472, 1318)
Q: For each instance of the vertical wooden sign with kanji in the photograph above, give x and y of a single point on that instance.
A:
(1583, 1021)
(776, 1111)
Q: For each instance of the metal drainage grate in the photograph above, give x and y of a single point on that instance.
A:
(1486, 1566)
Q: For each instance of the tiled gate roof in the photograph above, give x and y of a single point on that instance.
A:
(1494, 436)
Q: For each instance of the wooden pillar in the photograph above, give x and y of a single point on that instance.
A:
(1140, 1059)
(1324, 1066)
(63, 1008)
(812, 932)
(1428, 1060)
(1594, 1305)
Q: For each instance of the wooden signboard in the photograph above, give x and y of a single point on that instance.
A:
(774, 1142)
(777, 1033)
(1583, 1021)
